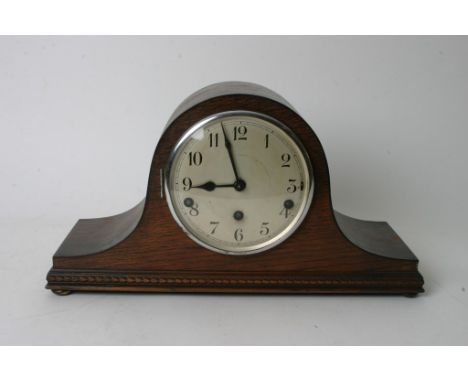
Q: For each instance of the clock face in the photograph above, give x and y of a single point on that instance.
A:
(239, 182)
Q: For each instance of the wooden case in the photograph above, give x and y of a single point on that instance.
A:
(144, 250)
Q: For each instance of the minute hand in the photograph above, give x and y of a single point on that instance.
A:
(229, 150)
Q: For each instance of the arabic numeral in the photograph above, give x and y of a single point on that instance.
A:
(213, 139)
(238, 234)
(286, 158)
(194, 210)
(292, 186)
(285, 212)
(214, 225)
(187, 182)
(240, 133)
(195, 158)
(264, 230)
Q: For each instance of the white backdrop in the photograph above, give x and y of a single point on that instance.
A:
(80, 118)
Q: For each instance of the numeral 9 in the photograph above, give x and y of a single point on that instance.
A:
(187, 182)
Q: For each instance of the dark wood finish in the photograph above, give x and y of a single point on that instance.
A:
(144, 250)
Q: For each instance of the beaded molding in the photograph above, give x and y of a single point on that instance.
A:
(157, 280)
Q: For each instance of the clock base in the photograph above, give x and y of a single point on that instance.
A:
(363, 278)
(85, 281)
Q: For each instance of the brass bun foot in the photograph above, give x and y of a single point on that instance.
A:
(61, 292)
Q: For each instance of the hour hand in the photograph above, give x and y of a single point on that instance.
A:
(210, 186)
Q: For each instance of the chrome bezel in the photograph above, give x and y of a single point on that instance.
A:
(274, 241)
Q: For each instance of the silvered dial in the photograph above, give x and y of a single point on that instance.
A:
(239, 182)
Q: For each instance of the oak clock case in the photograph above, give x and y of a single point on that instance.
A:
(238, 201)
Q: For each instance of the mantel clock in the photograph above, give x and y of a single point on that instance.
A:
(238, 201)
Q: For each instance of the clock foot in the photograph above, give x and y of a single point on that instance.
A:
(61, 292)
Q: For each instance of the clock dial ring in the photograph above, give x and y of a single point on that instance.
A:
(230, 185)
